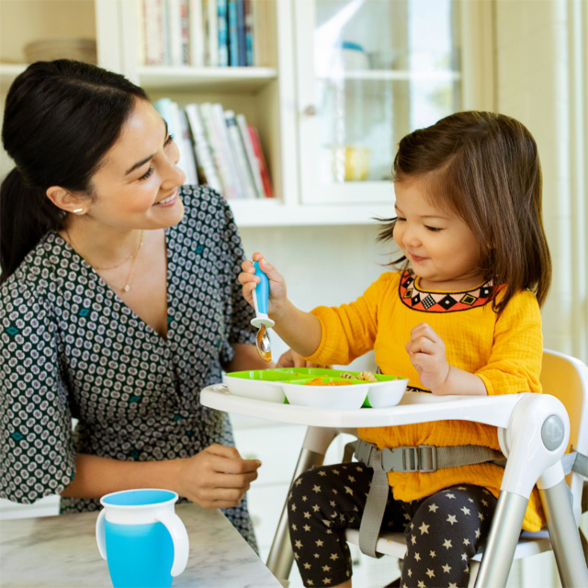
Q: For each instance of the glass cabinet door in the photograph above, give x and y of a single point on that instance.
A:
(369, 72)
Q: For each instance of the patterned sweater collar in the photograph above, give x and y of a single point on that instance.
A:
(417, 299)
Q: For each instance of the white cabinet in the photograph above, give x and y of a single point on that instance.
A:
(368, 73)
(340, 82)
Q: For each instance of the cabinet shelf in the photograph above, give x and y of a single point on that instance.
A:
(395, 75)
(217, 79)
(273, 213)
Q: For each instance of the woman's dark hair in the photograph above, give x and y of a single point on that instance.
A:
(485, 168)
(60, 119)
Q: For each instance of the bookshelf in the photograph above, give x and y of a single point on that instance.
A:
(280, 95)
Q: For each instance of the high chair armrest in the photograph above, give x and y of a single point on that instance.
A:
(534, 442)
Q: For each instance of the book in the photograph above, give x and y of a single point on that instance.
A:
(220, 126)
(166, 33)
(241, 41)
(223, 37)
(187, 160)
(209, 7)
(233, 34)
(178, 32)
(185, 31)
(253, 162)
(140, 16)
(205, 166)
(155, 31)
(249, 28)
(242, 163)
(196, 33)
(263, 169)
(221, 163)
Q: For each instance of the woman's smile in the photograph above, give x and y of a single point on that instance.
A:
(169, 200)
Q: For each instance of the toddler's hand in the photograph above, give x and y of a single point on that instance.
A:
(427, 354)
(277, 285)
(293, 359)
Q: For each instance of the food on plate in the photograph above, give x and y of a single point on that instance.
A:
(363, 376)
(321, 382)
(367, 377)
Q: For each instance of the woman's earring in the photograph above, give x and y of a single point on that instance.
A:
(78, 210)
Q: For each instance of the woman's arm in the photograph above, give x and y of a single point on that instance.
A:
(246, 358)
(217, 477)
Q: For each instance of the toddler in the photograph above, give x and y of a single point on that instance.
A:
(457, 314)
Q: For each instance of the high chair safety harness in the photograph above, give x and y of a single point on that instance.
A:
(420, 458)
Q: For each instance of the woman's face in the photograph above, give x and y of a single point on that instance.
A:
(136, 186)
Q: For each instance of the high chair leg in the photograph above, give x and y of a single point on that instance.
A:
(312, 454)
(564, 535)
(502, 540)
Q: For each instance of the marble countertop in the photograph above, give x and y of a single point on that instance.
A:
(61, 552)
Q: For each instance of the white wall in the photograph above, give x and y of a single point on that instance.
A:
(541, 62)
(322, 265)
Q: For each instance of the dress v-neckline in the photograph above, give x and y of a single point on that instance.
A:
(124, 307)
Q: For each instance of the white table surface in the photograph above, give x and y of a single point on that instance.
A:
(61, 552)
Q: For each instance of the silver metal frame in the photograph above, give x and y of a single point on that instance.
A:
(502, 540)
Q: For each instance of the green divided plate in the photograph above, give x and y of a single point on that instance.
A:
(271, 385)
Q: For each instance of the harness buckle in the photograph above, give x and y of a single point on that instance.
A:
(427, 458)
(410, 459)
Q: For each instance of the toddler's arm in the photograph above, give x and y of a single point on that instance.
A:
(299, 330)
(426, 350)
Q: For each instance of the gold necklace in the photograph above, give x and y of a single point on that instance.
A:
(133, 258)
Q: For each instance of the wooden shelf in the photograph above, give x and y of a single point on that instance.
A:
(222, 79)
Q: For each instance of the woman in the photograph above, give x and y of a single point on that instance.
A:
(119, 302)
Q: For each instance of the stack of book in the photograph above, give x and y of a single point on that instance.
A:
(213, 33)
(218, 148)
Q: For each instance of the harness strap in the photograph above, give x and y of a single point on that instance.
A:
(420, 458)
(575, 462)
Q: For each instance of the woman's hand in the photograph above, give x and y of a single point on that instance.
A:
(277, 284)
(293, 359)
(427, 354)
(217, 477)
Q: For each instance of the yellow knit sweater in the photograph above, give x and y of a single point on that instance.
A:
(503, 350)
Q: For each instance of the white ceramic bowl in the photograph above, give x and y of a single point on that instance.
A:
(387, 393)
(337, 397)
(257, 389)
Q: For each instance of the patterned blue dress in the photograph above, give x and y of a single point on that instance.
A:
(69, 347)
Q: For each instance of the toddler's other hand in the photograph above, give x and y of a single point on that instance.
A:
(277, 285)
(293, 359)
(427, 354)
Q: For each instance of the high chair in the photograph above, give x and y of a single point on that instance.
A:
(534, 432)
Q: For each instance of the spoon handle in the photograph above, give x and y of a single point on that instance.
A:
(260, 299)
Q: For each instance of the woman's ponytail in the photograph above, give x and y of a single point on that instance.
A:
(26, 214)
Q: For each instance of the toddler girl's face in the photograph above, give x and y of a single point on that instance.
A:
(440, 246)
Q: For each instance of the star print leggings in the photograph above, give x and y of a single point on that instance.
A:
(443, 531)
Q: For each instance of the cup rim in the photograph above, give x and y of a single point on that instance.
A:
(172, 500)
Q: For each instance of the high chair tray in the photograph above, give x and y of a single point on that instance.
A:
(318, 387)
(414, 407)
